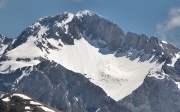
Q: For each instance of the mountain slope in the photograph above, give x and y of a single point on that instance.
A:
(63, 89)
(157, 94)
(99, 50)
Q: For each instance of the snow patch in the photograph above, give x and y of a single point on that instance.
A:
(98, 110)
(27, 107)
(37, 24)
(161, 46)
(7, 99)
(42, 31)
(76, 98)
(46, 109)
(164, 42)
(174, 59)
(23, 75)
(178, 84)
(34, 103)
(22, 96)
(57, 34)
(69, 19)
(65, 22)
(157, 73)
(85, 12)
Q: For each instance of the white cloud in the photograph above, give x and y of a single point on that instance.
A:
(169, 29)
(2, 3)
(173, 21)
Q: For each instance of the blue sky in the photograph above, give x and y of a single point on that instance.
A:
(160, 18)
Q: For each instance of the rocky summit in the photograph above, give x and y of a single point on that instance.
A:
(85, 63)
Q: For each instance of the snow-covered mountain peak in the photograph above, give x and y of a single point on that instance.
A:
(60, 19)
(87, 45)
(93, 46)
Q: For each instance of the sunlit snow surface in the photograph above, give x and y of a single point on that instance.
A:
(117, 76)
(174, 59)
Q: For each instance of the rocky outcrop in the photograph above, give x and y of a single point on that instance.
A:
(177, 66)
(99, 28)
(4, 43)
(154, 95)
(5, 40)
(173, 71)
(157, 94)
(153, 46)
(58, 87)
(135, 41)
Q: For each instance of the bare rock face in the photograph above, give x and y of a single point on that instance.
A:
(157, 95)
(4, 43)
(174, 72)
(151, 44)
(141, 42)
(135, 41)
(5, 40)
(177, 66)
(154, 95)
(99, 28)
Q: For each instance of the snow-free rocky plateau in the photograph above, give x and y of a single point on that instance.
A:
(85, 63)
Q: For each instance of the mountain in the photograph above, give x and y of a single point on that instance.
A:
(84, 62)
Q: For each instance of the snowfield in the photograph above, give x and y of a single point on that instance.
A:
(117, 75)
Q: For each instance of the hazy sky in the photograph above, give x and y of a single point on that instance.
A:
(151, 17)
